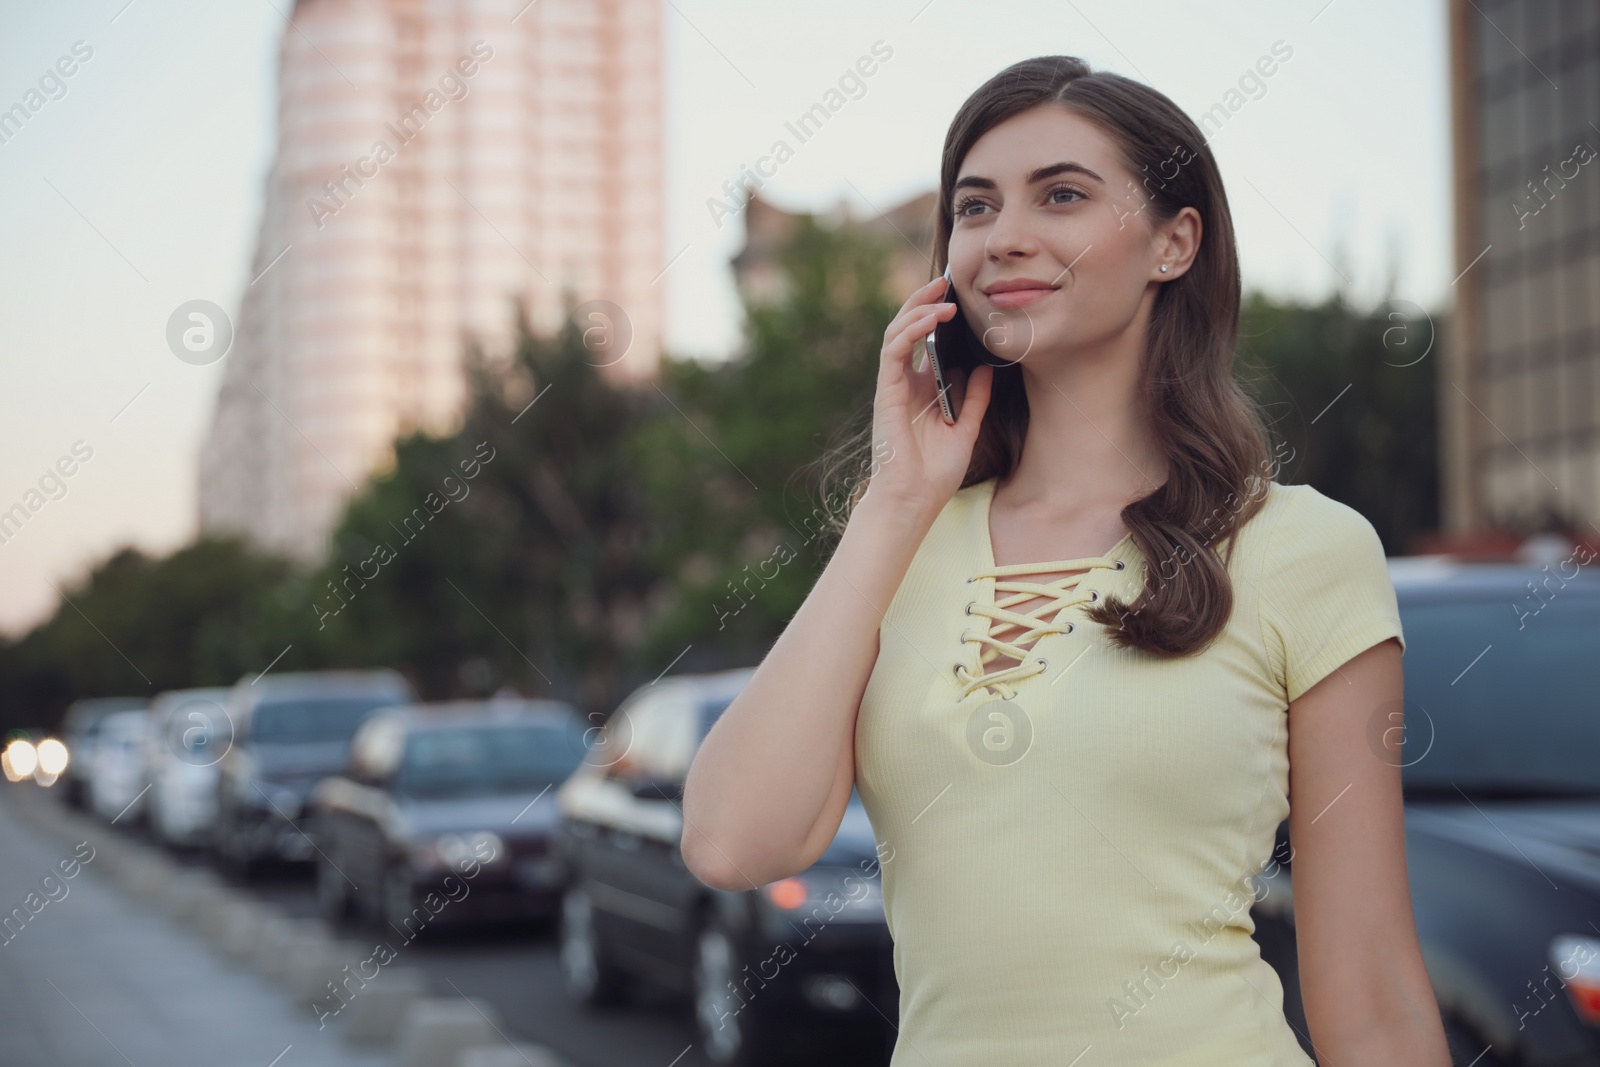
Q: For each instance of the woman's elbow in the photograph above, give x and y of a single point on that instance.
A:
(708, 865)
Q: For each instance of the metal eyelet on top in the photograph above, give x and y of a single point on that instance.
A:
(1044, 663)
(1070, 627)
(970, 604)
(1122, 564)
(1094, 595)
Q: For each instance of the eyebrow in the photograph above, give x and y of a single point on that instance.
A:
(1033, 176)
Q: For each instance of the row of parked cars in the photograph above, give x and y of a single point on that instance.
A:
(543, 813)
(389, 798)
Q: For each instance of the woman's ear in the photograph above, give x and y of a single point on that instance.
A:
(1178, 242)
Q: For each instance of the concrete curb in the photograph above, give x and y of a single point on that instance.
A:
(316, 967)
(439, 1029)
(276, 959)
(376, 1016)
(299, 954)
(243, 930)
(503, 1055)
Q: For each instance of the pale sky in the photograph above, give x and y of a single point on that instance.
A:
(139, 187)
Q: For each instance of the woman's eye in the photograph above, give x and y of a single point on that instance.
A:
(961, 208)
(1065, 189)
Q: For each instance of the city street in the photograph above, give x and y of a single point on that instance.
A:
(900, 535)
(98, 978)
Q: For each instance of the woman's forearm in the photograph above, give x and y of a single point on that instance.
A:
(770, 766)
(1399, 1027)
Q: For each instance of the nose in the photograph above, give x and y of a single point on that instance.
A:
(1009, 236)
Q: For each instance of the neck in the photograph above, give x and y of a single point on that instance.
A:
(1089, 441)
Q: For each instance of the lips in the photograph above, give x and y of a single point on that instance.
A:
(1015, 298)
(1016, 292)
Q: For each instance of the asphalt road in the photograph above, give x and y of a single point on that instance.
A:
(514, 967)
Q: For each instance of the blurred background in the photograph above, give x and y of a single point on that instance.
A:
(382, 374)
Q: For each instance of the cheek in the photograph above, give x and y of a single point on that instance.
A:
(1111, 274)
(965, 255)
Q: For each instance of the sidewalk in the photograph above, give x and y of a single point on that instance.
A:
(92, 978)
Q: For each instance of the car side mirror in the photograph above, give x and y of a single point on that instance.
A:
(658, 789)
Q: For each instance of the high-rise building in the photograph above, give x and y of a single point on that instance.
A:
(438, 163)
(1520, 387)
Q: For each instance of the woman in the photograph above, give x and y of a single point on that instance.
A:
(1070, 647)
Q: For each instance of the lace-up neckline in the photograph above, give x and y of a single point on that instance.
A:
(1010, 590)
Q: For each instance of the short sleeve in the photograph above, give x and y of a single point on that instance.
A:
(1324, 593)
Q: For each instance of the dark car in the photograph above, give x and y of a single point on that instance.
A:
(760, 966)
(446, 813)
(1501, 775)
(284, 734)
(80, 727)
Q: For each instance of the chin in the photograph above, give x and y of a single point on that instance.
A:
(1010, 336)
(1029, 342)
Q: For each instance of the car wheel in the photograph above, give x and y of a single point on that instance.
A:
(153, 817)
(730, 1030)
(398, 900)
(1466, 1047)
(333, 892)
(233, 852)
(590, 978)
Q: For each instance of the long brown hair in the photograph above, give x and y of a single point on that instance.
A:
(1210, 430)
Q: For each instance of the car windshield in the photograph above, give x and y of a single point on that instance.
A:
(1500, 700)
(477, 760)
(309, 721)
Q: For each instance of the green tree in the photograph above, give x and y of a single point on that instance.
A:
(732, 451)
(1353, 394)
(513, 548)
(134, 625)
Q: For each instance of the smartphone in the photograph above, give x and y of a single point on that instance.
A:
(952, 345)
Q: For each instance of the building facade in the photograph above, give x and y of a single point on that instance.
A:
(906, 229)
(439, 163)
(1520, 389)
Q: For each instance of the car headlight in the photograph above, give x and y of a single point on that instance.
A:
(460, 851)
(53, 758)
(1576, 961)
(826, 894)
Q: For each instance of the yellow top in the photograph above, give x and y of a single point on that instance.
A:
(1070, 869)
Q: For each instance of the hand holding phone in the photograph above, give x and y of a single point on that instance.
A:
(951, 345)
(923, 460)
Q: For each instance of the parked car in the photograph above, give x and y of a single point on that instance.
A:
(462, 789)
(817, 945)
(1501, 776)
(79, 727)
(188, 735)
(116, 783)
(290, 731)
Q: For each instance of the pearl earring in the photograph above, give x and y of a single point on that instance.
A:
(1164, 268)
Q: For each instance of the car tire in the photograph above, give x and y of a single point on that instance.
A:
(333, 891)
(731, 1032)
(153, 817)
(232, 851)
(1467, 1048)
(590, 978)
(397, 900)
